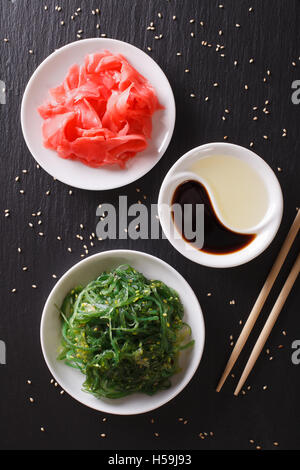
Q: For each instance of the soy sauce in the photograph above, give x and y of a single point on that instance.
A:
(218, 239)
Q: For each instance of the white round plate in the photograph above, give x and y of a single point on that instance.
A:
(52, 72)
(82, 273)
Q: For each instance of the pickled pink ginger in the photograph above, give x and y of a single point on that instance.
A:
(102, 112)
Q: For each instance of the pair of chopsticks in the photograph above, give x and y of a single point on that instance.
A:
(258, 307)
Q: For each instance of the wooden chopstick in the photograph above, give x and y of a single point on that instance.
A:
(269, 323)
(257, 307)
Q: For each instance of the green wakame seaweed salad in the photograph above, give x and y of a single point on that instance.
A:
(124, 332)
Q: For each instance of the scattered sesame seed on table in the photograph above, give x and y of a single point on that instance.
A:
(231, 66)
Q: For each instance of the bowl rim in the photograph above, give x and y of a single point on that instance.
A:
(227, 260)
(185, 379)
(105, 44)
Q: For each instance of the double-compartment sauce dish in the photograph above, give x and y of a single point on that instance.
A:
(241, 200)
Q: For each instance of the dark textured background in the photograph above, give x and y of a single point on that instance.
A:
(269, 34)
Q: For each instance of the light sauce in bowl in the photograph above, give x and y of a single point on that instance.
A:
(239, 192)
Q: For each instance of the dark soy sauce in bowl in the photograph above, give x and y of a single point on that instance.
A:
(218, 239)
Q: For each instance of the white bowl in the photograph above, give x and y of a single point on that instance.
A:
(52, 72)
(82, 273)
(265, 231)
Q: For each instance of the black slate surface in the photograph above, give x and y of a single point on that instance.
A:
(269, 34)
